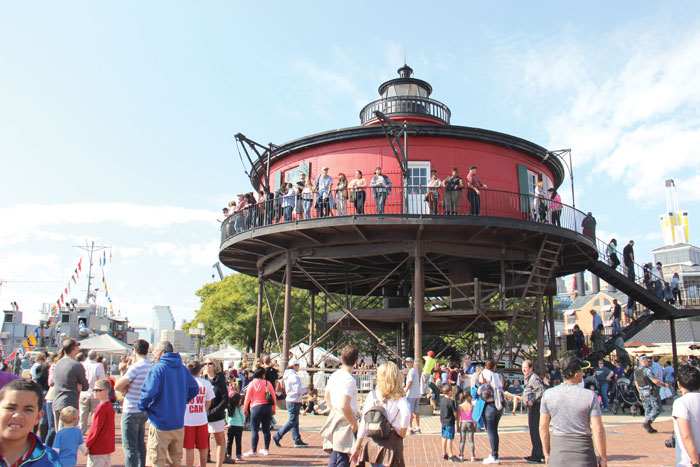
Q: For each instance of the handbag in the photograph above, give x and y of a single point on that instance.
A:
(353, 196)
(268, 397)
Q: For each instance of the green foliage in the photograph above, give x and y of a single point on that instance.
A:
(229, 309)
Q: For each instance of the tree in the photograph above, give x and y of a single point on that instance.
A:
(229, 309)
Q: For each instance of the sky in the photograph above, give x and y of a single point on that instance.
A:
(117, 119)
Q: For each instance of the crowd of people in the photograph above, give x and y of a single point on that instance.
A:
(324, 196)
(200, 410)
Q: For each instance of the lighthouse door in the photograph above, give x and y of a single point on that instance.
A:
(418, 175)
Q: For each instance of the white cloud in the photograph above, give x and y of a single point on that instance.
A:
(631, 109)
(22, 265)
(204, 254)
(22, 220)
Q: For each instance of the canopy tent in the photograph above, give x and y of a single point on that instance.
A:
(683, 349)
(321, 356)
(229, 353)
(106, 344)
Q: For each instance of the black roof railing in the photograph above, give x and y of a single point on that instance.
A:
(407, 202)
(406, 105)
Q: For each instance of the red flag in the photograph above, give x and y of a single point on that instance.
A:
(12, 356)
(61, 299)
(66, 290)
(80, 263)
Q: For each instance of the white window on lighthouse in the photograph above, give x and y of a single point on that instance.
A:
(418, 175)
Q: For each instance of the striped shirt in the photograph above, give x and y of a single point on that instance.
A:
(136, 374)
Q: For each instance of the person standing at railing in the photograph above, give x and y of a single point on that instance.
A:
(474, 187)
(240, 214)
(357, 193)
(611, 253)
(658, 274)
(454, 184)
(628, 260)
(433, 195)
(382, 188)
(675, 289)
(263, 210)
(290, 196)
(341, 193)
(540, 203)
(307, 198)
(617, 318)
(299, 204)
(555, 206)
(322, 187)
(588, 225)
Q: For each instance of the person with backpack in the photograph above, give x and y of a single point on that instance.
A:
(385, 422)
(491, 391)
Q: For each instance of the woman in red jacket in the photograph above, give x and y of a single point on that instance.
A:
(256, 403)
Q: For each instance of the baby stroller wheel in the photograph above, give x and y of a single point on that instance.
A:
(615, 407)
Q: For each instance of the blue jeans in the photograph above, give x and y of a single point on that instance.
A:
(660, 290)
(381, 200)
(307, 208)
(287, 210)
(603, 387)
(616, 326)
(260, 415)
(134, 438)
(491, 418)
(292, 423)
(51, 433)
(339, 459)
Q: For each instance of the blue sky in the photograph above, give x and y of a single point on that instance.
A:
(117, 119)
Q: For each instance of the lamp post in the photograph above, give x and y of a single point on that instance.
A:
(43, 324)
(481, 337)
(199, 333)
(559, 153)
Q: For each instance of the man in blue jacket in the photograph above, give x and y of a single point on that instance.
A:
(168, 388)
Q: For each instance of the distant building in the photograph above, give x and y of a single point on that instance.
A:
(144, 333)
(162, 319)
(684, 259)
(579, 311)
(182, 342)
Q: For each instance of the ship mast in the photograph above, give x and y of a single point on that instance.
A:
(91, 249)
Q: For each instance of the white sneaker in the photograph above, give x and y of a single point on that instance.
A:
(491, 460)
(264, 452)
(250, 454)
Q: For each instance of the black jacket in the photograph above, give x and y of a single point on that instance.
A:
(217, 409)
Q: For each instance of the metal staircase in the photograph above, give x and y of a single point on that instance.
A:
(542, 272)
(655, 308)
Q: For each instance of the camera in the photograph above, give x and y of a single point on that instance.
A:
(671, 442)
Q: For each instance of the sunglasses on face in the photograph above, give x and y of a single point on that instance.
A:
(99, 390)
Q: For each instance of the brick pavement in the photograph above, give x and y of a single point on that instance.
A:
(628, 444)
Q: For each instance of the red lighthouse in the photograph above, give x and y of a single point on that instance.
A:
(447, 258)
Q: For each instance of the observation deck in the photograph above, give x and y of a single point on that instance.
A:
(350, 253)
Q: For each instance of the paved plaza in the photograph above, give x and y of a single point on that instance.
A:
(628, 444)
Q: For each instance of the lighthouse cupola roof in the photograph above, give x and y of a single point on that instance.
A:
(405, 85)
(406, 98)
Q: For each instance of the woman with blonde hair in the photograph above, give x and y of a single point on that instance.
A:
(389, 394)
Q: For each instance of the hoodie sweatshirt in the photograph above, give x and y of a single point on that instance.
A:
(168, 388)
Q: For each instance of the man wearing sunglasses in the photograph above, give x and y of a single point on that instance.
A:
(577, 427)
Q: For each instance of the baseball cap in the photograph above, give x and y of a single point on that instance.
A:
(378, 168)
(325, 168)
(293, 362)
(409, 359)
(645, 357)
(572, 365)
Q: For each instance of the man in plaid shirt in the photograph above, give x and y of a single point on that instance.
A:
(532, 396)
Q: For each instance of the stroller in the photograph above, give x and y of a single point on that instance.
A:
(626, 397)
